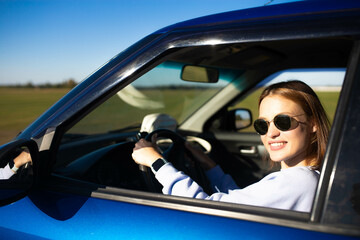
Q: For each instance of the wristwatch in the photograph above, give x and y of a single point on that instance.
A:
(158, 164)
(12, 166)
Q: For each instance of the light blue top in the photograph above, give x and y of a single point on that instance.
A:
(6, 172)
(290, 189)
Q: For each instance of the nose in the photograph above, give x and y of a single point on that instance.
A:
(272, 130)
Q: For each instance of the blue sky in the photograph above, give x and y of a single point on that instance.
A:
(50, 41)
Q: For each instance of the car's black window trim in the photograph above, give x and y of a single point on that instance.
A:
(329, 163)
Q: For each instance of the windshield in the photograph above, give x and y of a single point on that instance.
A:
(160, 90)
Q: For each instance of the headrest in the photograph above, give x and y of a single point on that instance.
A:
(156, 121)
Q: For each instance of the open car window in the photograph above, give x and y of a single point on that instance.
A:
(98, 148)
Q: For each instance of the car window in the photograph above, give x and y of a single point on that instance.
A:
(160, 90)
(98, 148)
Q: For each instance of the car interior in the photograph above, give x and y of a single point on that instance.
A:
(205, 95)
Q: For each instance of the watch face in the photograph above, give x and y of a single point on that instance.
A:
(158, 164)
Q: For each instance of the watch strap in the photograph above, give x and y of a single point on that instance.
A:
(158, 164)
(12, 166)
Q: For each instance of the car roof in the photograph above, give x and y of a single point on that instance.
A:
(270, 12)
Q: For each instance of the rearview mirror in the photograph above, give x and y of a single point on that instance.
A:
(199, 74)
(17, 170)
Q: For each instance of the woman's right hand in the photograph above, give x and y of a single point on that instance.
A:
(145, 153)
(23, 158)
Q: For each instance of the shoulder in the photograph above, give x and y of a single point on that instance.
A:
(302, 179)
(293, 177)
(301, 173)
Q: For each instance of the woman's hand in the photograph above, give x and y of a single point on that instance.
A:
(205, 162)
(23, 158)
(145, 152)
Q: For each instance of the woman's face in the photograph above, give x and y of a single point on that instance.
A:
(287, 147)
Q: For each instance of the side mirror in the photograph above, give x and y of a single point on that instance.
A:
(242, 118)
(234, 120)
(199, 74)
(18, 170)
(231, 121)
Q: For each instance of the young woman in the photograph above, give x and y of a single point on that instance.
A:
(293, 127)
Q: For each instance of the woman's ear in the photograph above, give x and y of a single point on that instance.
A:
(314, 126)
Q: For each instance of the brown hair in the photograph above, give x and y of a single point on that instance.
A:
(306, 98)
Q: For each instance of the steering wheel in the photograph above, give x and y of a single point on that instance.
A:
(180, 157)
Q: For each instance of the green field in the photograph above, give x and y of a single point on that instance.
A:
(20, 106)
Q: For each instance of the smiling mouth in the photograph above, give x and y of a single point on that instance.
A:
(275, 146)
(278, 144)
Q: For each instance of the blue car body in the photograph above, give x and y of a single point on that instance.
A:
(57, 207)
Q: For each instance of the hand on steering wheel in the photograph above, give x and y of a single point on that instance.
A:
(145, 153)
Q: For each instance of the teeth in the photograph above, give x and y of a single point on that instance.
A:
(277, 144)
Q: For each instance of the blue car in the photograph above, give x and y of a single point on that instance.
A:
(200, 80)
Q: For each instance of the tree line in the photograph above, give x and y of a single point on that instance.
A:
(70, 83)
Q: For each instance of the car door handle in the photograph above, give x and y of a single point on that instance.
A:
(247, 149)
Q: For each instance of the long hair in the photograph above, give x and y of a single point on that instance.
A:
(306, 98)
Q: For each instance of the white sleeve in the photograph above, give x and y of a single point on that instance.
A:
(179, 184)
(292, 189)
(220, 182)
(6, 173)
(289, 189)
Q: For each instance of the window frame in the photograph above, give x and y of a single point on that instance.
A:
(248, 213)
(335, 148)
(286, 218)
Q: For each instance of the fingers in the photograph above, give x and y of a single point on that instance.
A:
(23, 158)
(153, 138)
(142, 143)
(144, 153)
(27, 156)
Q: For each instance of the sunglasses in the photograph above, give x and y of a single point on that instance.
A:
(282, 122)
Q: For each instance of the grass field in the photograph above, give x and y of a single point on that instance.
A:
(20, 106)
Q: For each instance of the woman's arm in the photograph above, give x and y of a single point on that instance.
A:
(6, 172)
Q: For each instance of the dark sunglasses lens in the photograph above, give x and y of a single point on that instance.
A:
(261, 126)
(282, 122)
